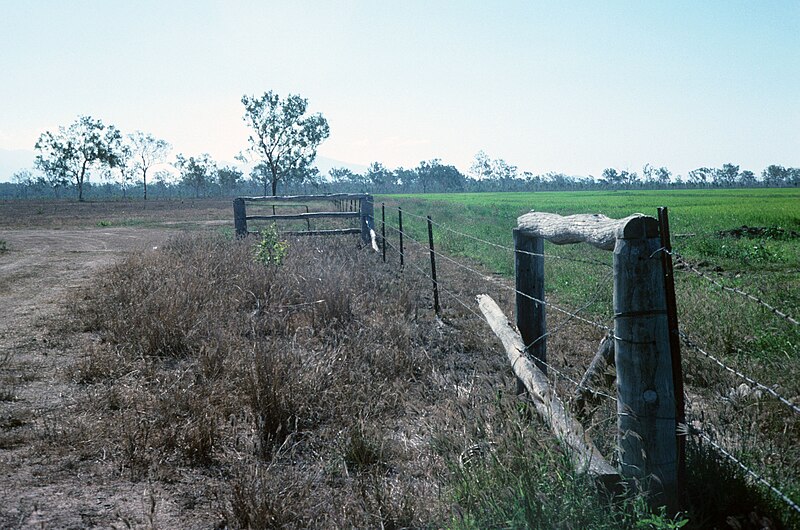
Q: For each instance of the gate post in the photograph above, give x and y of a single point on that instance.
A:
(240, 217)
(645, 391)
(367, 216)
(529, 274)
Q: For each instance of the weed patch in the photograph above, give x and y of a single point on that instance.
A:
(270, 250)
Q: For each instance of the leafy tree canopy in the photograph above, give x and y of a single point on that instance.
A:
(283, 136)
(229, 177)
(69, 154)
(197, 172)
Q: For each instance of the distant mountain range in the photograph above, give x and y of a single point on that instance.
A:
(13, 160)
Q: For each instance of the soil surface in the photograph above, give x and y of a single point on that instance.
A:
(43, 487)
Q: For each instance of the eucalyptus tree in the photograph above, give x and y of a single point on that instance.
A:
(774, 175)
(146, 151)
(501, 173)
(747, 178)
(197, 172)
(122, 173)
(727, 175)
(228, 177)
(663, 176)
(69, 154)
(434, 176)
(283, 136)
(700, 176)
(378, 176)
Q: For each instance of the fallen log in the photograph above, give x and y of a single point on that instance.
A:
(585, 456)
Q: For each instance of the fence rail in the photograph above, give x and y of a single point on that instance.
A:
(302, 216)
(363, 202)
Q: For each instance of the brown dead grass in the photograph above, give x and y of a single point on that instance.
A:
(311, 390)
(73, 214)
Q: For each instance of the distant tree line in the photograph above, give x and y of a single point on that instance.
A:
(200, 176)
(91, 159)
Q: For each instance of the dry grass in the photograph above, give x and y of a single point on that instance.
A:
(312, 388)
(101, 214)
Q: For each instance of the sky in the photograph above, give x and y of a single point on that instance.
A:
(571, 87)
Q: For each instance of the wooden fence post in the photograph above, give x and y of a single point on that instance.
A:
(645, 391)
(529, 273)
(366, 211)
(240, 217)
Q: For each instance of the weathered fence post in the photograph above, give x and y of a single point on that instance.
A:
(240, 217)
(367, 214)
(645, 391)
(529, 273)
(433, 268)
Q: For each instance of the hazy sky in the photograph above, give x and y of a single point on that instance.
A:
(549, 86)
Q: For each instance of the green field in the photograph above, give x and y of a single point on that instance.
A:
(707, 229)
(766, 261)
(696, 216)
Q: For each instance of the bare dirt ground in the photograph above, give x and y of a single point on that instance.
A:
(43, 488)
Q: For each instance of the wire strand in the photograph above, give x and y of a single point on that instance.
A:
(689, 342)
(506, 248)
(736, 290)
(793, 505)
(508, 287)
(439, 285)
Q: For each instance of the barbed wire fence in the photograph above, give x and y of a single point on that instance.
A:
(462, 294)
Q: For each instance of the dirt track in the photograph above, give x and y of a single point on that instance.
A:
(38, 272)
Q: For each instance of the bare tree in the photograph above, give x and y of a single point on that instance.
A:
(147, 151)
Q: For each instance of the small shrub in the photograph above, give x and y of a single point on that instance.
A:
(3, 246)
(271, 250)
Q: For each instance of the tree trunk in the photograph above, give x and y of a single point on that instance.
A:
(79, 181)
(144, 180)
(274, 171)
